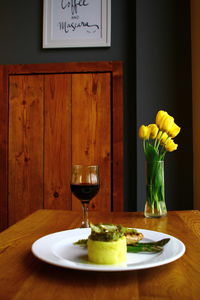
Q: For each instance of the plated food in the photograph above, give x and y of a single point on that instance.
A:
(109, 243)
(58, 249)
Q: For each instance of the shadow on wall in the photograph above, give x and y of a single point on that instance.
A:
(130, 132)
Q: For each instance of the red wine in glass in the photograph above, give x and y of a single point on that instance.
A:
(84, 186)
(84, 191)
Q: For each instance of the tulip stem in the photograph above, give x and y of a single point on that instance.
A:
(155, 143)
(144, 146)
(159, 140)
(163, 154)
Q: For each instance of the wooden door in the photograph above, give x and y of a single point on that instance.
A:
(57, 119)
(25, 160)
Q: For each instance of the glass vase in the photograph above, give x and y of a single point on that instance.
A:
(155, 205)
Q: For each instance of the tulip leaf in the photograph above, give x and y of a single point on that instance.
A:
(151, 153)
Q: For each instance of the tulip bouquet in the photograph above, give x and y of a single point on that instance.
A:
(157, 141)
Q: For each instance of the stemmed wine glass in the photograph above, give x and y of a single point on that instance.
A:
(85, 185)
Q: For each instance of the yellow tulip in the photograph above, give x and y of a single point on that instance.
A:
(174, 131)
(153, 130)
(159, 117)
(162, 136)
(167, 123)
(170, 145)
(164, 121)
(144, 132)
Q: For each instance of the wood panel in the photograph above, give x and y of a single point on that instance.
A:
(117, 138)
(69, 67)
(195, 49)
(3, 151)
(91, 131)
(34, 110)
(25, 176)
(57, 141)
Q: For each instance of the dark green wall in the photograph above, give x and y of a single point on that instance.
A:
(152, 38)
(164, 82)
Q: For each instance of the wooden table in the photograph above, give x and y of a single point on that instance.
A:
(23, 276)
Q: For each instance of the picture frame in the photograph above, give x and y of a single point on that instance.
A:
(76, 23)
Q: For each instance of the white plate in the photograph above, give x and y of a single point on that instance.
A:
(58, 249)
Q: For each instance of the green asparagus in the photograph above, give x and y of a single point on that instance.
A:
(148, 247)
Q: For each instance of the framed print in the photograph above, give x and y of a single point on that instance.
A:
(76, 23)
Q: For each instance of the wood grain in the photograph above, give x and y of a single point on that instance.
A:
(57, 141)
(25, 146)
(118, 136)
(69, 67)
(91, 128)
(21, 271)
(36, 112)
(3, 151)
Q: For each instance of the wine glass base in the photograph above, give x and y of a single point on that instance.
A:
(85, 225)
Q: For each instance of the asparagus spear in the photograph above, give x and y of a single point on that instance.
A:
(147, 247)
(143, 248)
(82, 243)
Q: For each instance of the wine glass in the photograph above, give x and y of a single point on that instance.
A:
(85, 185)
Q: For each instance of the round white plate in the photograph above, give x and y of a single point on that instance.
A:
(58, 249)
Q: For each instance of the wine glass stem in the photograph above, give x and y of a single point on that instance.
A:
(85, 222)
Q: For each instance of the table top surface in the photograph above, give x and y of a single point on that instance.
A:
(23, 276)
